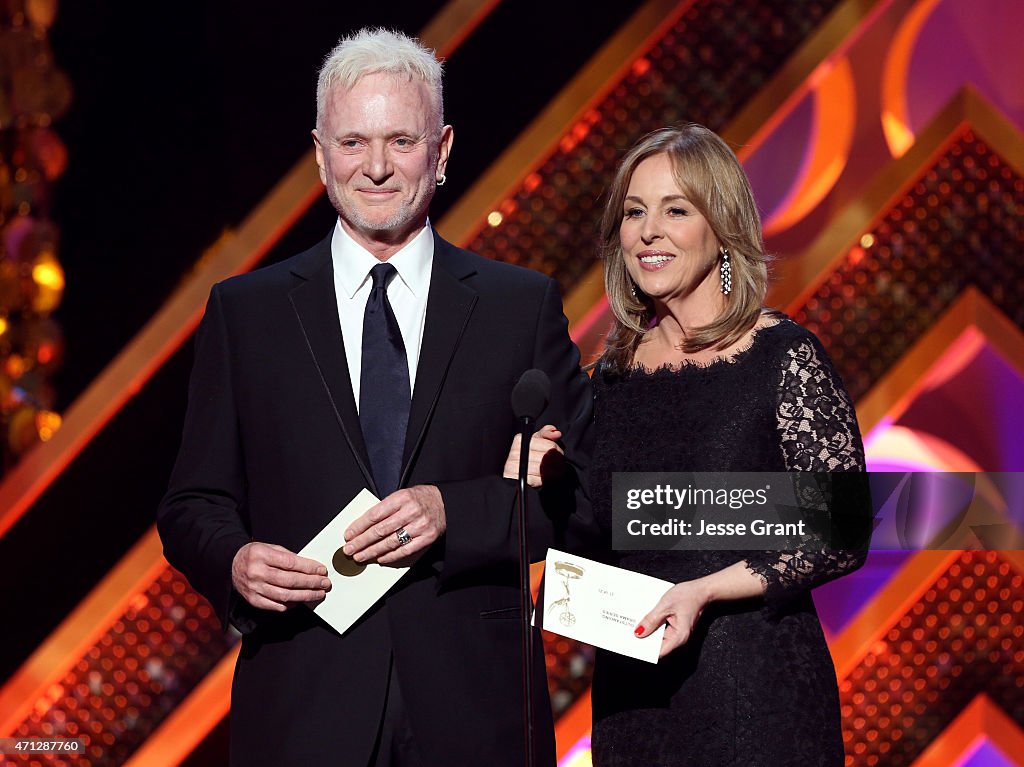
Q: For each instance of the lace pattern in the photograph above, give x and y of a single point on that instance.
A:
(817, 425)
(818, 432)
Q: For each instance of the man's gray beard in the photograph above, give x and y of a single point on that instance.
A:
(393, 224)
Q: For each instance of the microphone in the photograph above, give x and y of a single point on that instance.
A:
(530, 395)
(529, 398)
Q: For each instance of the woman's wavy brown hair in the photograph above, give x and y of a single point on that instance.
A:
(711, 177)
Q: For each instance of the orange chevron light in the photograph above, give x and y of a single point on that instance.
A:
(983, 721)
(919, 664)
(895, 121)
(797, 278)
(835, 115)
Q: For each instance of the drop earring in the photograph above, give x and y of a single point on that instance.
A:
(725, 272)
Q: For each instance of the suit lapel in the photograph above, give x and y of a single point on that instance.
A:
(450, 304)
(316, 307)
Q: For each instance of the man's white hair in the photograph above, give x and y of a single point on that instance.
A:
(379, 50)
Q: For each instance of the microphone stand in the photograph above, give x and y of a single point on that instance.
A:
(529, 399)
(526, 596)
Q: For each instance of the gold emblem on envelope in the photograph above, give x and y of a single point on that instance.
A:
(569, 572)
(345, 565)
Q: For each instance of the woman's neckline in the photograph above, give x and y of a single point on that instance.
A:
(730, 359)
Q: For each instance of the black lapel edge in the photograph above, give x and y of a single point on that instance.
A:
(449, 301)
(353, 436)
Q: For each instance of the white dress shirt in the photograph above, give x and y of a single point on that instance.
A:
(407, 293)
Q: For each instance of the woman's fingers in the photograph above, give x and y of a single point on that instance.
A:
(544, 460)
(678, 609)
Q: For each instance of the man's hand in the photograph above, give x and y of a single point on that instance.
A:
(270, 577)
(419, 510)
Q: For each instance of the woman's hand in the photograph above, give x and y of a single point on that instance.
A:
(680, 609)
(545, 461)
(681, 606)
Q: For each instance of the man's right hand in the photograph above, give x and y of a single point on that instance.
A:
(270, 577)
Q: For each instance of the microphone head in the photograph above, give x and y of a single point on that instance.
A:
(530, 395)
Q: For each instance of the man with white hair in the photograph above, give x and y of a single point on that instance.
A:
(382, 358)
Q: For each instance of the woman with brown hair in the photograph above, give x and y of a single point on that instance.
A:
(697, 376)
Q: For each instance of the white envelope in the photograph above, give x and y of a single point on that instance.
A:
(355, 588)
(600, 604)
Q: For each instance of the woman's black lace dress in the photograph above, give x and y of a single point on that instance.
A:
(755, 685)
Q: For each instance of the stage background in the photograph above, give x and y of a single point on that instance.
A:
(884, 142)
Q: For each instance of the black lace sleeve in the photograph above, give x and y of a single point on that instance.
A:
(818, 432)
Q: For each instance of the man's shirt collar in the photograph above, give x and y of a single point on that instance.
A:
(353, 262)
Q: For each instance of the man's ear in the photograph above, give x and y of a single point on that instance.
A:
(444, 149)
(319, 157)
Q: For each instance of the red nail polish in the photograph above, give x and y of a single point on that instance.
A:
(639, 631)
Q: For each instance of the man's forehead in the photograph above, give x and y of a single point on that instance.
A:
(380, 101)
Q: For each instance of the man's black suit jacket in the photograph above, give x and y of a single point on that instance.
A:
(272, 450)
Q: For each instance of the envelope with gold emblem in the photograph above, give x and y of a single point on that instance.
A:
(599, 604)
(355, 587)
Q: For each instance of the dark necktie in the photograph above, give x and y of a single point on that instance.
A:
(383, 384)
